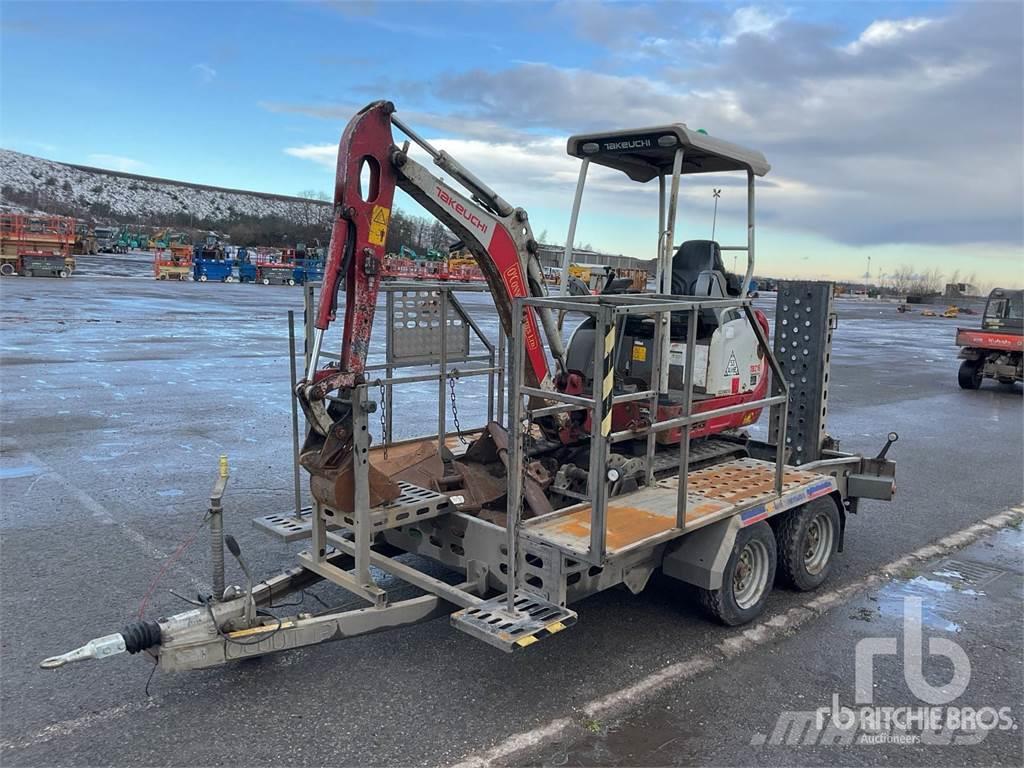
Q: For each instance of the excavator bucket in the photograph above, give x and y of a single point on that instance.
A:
(335, 488)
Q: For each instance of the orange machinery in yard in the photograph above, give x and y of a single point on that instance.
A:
(172, 265)
(21, 234)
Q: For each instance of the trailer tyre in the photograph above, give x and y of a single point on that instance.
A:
(202, 278)
(747, 580)
(265, 281)
(807, 539)
(970, 374)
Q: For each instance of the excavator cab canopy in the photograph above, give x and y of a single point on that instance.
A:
(646, 153)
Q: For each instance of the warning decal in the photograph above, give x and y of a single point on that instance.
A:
(733, 368)
(379, 225)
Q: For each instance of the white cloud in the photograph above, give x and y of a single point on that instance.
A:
(751, 20)
(324, 154)
(204, 72)
(116, 162)
(886, 32)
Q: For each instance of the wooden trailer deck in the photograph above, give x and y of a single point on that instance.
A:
(740, 486)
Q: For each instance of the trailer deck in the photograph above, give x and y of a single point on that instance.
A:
(742, 487)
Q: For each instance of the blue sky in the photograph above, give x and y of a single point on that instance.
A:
(894, 129)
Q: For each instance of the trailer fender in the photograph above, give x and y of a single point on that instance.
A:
(699, 558)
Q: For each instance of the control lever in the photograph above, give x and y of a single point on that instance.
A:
(890, 439)
(236, 552)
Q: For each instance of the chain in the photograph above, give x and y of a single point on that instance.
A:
(527, 424)
(455, 407)
(383, 418)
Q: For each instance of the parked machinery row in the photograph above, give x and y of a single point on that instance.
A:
(214, 262)
(36, 246)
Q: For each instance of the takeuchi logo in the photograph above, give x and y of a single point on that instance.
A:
(461, 210)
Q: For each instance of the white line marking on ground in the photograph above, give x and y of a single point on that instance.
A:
(67, 727)
(102, 515)
(769, 630)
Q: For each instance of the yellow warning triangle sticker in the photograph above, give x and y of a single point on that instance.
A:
(378, 216)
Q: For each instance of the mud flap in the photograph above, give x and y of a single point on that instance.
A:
(700, 558)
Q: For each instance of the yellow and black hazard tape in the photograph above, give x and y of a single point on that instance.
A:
(608, 380)
(540, 634)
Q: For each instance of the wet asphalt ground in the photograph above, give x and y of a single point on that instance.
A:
(120, 392)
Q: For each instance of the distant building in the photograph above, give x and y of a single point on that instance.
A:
(959, 290)
(551, 256)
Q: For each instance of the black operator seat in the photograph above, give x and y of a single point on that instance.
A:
(697, 270)
(693, 258)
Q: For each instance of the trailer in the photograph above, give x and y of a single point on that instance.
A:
(996, 350)
(628, 459)
(722, 515)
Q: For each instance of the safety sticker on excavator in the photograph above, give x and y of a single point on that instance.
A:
(639, 353)
(379, 225)
(733, 368)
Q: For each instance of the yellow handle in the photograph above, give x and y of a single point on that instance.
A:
(223, 465)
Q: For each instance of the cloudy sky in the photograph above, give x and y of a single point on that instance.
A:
(894, 129)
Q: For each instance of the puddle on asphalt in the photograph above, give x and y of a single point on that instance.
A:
(935, 597)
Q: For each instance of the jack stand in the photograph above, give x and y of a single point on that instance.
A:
(217, 529)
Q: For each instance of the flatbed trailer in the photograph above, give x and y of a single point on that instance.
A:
(721, 514)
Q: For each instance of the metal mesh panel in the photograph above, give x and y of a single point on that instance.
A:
(416, 328)
(804, 319)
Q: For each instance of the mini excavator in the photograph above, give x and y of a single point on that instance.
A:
(729, 369)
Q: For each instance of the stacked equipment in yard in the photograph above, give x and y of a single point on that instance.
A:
(85, 240)
(211, 263)
(37, 245)
(169, 266)
(273, 269)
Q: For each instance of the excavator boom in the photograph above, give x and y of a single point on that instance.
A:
(370, 167)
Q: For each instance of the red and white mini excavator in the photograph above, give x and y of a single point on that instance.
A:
(729, 369)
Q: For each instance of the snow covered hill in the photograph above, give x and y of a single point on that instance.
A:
(33, 184)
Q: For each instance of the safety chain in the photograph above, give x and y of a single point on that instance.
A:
(455, 406)
(527, 425)
(383, 418)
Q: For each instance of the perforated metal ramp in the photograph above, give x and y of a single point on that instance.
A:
(413, 504)
(536, 619)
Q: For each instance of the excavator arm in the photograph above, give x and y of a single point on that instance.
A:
(497, 234)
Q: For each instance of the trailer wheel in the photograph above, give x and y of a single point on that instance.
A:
(62, 273)
(265, 281)
(807, 539)
(970, 374)
(202, 278)
(747, 580)
(7, 270)
(229, 279)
